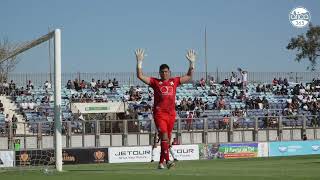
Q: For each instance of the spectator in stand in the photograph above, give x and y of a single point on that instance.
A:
(5, 88)
(83, 84)
(31, 105)
(274, 82)
(258, 88)
(189, 120)
(110, 85)
(1, 107)
(283, 90)
(265, 103)
(285, 82)
(304, 137)
(103, 84)
(225, 82)
(23, 106)
(239, 83)
(76, 85)
(258, 103)
(203, 83)
(69, 85)
(233, 79)
(7, 119)
(280, 81)
(242, 96)
(211, 82)
(212, 91)
(221, 103)
(244, 78)
(47, 85)
(30, 85)
(12, 86)
(175, 141)
(184, 105)
(115, 83)
(126, 97)
(223, 90)
(14, 124)
(225, 122)
(93, 84)
(98, 85)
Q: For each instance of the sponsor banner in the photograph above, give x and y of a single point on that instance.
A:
(263, 149)
(291, 148)
(180, 152)
(227, 151)
(6, 159)
(109, 107)
(35, 158)
(69, 156)
(242, 150)
(85, 156)
(129, 154)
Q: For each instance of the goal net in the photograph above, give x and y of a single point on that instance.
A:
(33, 141)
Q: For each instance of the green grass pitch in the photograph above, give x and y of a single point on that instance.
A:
(284, 168)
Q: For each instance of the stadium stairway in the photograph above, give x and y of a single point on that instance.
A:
(12, 109)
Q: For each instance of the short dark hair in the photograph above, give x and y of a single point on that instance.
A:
(164, 66)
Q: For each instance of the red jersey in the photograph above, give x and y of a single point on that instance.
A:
(164, 94)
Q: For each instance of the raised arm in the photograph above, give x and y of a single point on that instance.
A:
(191, 56)
(140, 56)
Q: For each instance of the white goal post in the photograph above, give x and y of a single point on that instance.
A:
(56, 35)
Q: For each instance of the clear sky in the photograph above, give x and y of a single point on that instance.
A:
(101, 35)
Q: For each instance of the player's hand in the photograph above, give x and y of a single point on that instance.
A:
(139, 54)
(191, 56)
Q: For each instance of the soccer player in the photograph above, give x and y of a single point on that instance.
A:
(164, 100)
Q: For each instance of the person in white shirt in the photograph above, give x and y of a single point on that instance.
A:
(31, 105)
(110, 85)
(244, 77)
(233, 79)
(24, 105)
(47, 85)
(138, 89)
(93, 83)
(126, 96)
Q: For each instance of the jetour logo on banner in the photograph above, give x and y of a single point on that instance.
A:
(181, 152)
(129, 154)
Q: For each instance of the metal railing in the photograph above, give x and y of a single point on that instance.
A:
(129, 78)
(97, 133)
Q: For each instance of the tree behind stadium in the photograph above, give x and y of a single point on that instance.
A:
(307, 46)
(7, 66)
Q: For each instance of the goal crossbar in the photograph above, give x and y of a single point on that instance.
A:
(29, 45)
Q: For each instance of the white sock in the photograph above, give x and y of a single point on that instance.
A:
(172, 153)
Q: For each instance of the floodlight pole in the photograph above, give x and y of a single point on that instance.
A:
(57, 98)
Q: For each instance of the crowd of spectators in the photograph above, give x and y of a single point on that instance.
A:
(298, 97)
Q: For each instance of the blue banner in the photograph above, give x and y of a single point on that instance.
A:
(292, 148)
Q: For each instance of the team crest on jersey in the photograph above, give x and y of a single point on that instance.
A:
(160, 83)
(171, 83)
(166, 90)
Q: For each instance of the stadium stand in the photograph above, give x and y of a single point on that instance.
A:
(218, 102)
